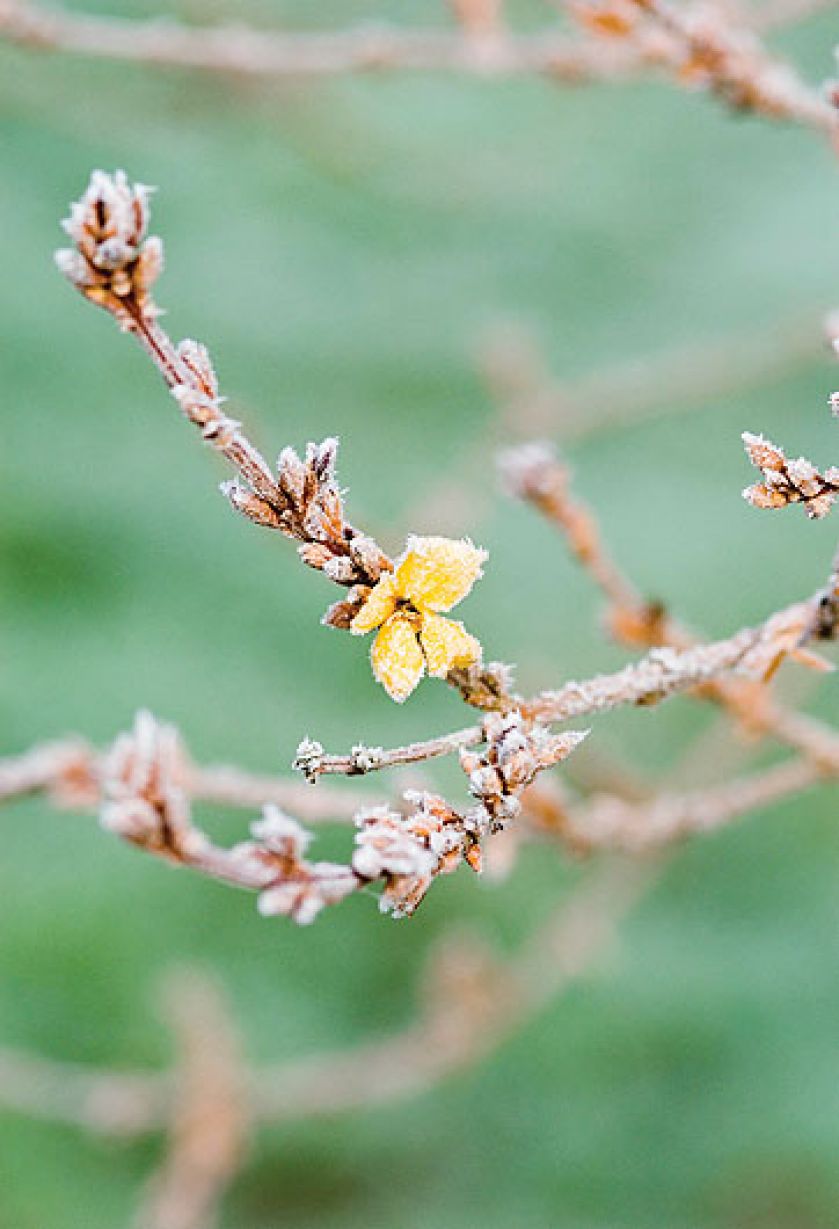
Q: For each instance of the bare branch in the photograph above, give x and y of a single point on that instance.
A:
(238, 50)
(612, 823)
(313, 761)
(708, 52)
(117, 1103)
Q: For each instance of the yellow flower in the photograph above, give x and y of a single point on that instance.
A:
(432, 575)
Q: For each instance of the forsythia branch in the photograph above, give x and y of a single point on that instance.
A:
(145, 779)
(142, 786)
(114, 263)
(665, 671)
(144, 782)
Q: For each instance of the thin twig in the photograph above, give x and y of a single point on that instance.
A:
(732, 64)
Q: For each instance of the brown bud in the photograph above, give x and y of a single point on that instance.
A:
(255, 509)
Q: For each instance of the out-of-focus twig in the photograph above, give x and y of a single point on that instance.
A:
(703, 48)
(776, 14)
(114, 1103)
(470, 1003)
(533, 403)
(612, 823)
(242, 51)
(210, 1112)
(694, 44)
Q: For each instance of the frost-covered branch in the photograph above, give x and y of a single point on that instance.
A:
(751, 653)
(144, 784)
(114, 263)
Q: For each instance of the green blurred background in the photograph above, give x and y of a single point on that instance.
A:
(345, 249)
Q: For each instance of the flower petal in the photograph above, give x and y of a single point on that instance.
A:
(397, 659)
(438, 572)
(446, 643)
(380, 605)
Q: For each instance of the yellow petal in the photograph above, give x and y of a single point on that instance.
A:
(397, 659)
(380, 605)
(446, 644)
(438, 572)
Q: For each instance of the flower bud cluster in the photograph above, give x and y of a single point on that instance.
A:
(113, 262)
(409, 851)
(300, 889)
(143, 799)
(515, 752)
(788, 481)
